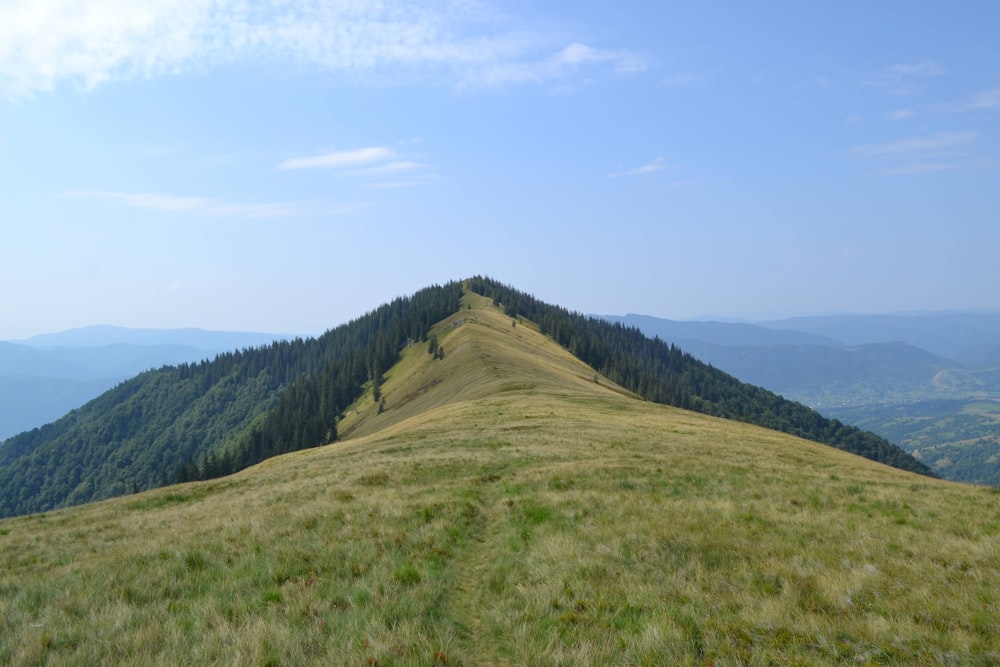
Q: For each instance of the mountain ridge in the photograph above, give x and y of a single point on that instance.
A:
(210, 419)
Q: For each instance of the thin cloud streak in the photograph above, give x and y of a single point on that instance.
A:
(165, 203)
(557, 66)
(934, 143)
(339, 159)
(920, 155)
(658, 164)
(207, 206)
(679, 80)
(397, 167)
(905, 78)
(921, 168)
(986, 100)
(901, 114)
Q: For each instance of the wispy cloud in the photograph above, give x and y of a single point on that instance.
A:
(905, 78)
(577, 54)
(557, 66)
(458, 42)
(655, 165)
(396, 167)
(920, 155)
(678, 80)
(379, 168)
(901, 114)
(986, 100)
(920, 168)
(165, 203)
(903, 70)
(399, 184)
(339, 159)
(215, 207)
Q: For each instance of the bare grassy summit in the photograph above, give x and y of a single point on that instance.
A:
(504, 505)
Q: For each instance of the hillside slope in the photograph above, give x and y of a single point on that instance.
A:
(506, 508)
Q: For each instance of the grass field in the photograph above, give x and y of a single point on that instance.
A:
(507, 507)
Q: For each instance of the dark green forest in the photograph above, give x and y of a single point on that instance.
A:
(205, 420)
(195, 421)
(662, 373)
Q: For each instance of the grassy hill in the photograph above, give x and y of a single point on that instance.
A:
(506, 506)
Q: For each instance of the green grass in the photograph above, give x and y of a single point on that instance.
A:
(507, 510)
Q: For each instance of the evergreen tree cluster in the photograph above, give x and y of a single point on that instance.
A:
(197, 421)
(662, 373)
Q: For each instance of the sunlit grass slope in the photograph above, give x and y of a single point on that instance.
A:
(506, 508)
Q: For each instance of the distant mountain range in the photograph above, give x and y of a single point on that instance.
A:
(848, 360)
(943, 367)
(193, 338)
(44, 377)
(971, 339)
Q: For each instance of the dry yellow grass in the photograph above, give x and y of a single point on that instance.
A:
(508, 509)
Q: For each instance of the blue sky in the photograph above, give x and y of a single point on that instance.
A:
(286, 166)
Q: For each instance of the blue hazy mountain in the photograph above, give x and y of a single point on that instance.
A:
(719, 333)
(104, 335)
(969, 338)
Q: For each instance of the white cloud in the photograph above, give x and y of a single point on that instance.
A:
(370, 164)
(340, 159)
(657, 164)
(921, 168)
(905, 78)
(397, 185)
(46, 43)
(157, 202)
(901, 114)
(925, 68)
(986, 100)
(557, 66)
(207, 206)
(397, 167)
(678, 80)
(920, 155)
(927, 144)
(580, 54)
